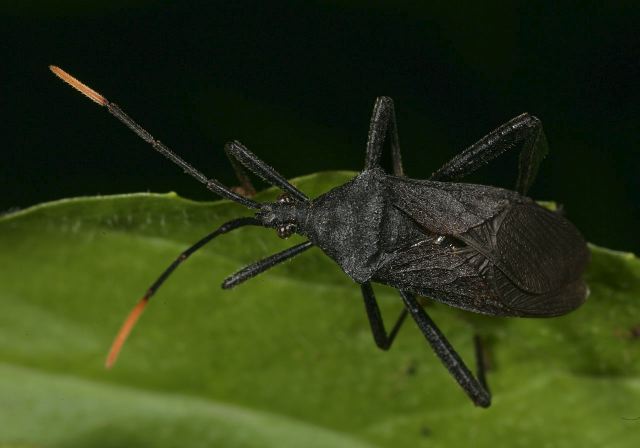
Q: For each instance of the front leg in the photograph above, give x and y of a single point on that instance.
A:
(260, 266)
(383, 123)
(525, 130)
(246, 187)
(238, 152)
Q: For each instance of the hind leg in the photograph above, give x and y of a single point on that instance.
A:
(523, 131)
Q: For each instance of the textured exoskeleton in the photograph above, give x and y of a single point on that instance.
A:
(480, 248)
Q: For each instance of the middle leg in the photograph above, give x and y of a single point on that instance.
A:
(380, 336)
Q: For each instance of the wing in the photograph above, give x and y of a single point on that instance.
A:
(525, 304)
(460, 276)
(445, 270)
(537, 249)
(446, 208)
(538, 257)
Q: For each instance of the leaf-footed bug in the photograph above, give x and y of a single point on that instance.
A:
(480, 248)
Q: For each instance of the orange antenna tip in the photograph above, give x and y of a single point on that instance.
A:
(79, 86)
(123, 334)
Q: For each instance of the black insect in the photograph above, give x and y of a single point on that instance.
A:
(480, 248)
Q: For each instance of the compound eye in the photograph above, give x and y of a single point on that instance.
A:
(286, 230)
(284, 198)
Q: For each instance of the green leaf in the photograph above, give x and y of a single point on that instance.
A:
(286, 359)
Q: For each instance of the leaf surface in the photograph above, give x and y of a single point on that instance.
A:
(286, 359)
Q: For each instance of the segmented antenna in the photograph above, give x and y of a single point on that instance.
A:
(137, 310)
(211, 184)
(113, 108)
(124, 331)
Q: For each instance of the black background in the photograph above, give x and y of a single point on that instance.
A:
(295, 82)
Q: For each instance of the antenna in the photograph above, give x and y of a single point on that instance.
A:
(113, 108)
